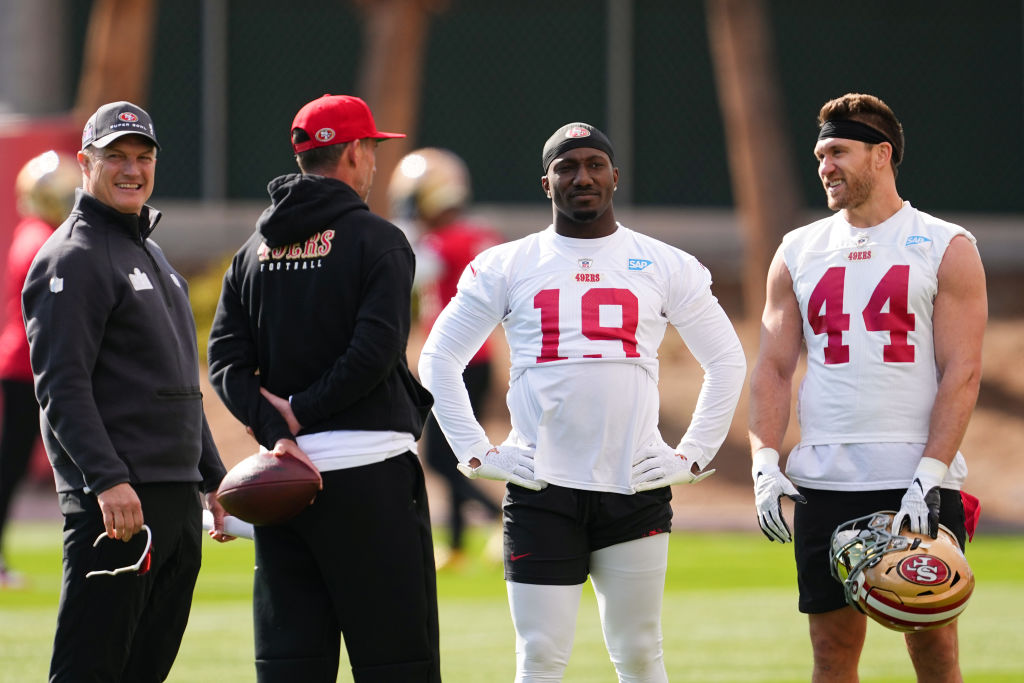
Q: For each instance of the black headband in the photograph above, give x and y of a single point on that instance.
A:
(571, 136)
(848, 129)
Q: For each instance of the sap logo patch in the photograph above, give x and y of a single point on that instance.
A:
(916, 239)
(639, 263)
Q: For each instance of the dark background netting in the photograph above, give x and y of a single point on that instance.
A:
(500, 76)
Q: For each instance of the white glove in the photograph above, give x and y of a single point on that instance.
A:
(659, 465)
(232, 525)
(505, 463)
(920, 505)
(770, 485)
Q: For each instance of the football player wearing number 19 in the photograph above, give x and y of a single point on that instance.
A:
(890, 303)
(585, 304)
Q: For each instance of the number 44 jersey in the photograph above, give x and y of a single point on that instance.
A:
(866, 298)
(584, 319)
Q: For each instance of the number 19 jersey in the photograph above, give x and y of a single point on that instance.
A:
(584, 319)
(866, 297)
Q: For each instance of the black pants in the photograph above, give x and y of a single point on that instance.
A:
(816, 520)
(358, 562)
(126, 627)
(20, 431)
(442, 460)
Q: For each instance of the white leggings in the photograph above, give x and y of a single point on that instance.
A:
(629, 581)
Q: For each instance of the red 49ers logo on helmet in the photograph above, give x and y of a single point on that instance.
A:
(925, 570)
(128, 117)
(577, 132)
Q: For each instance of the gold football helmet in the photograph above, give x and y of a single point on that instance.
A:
(427, 182)
(906, 582)
(45, 187)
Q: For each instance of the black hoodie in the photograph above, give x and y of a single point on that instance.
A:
(316, 306)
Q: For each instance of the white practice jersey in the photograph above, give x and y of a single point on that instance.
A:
(584, 319)
(866, 297)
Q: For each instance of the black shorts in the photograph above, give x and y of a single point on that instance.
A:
(549, 534)
(815, 521)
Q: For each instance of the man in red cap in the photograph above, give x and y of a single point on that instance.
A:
(308, 350)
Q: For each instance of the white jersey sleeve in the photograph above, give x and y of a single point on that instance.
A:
(584, 320)
(459, 331)
(712, 340)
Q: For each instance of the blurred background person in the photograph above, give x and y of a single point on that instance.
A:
(429, 193)
(45, 192)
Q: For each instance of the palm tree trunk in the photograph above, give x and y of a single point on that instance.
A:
(118, 55)
(760, 162)
(390, 78)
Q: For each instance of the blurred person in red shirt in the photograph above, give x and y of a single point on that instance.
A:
(45, 190)
(428, 193)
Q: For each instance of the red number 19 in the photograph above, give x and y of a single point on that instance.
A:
(590, 304)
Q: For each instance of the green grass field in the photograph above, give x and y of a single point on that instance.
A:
(730, 615)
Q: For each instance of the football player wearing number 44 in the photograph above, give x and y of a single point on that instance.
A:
(890, 303)
(585, 304)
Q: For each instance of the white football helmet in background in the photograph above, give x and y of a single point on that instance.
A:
(428, 182)
(906, 582)
(45, 187)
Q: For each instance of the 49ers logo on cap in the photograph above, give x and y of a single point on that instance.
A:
(325, 134)
(925, 570)
(127, 117)
(577, 132)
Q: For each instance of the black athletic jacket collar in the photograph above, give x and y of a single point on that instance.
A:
(140, 226)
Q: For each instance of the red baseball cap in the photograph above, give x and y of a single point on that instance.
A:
(335, 119)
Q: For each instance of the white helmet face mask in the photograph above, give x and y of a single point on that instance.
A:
(906, 582)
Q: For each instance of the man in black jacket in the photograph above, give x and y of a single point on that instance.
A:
(308, 350)
(116, 371)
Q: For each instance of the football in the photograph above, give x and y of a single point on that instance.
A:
(266, 489)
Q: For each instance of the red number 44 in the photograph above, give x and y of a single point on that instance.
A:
(825, 314)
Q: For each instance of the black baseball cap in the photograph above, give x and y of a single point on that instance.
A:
(571, 136)
(114, 120)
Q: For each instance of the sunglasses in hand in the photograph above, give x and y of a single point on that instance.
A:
(140, 567)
